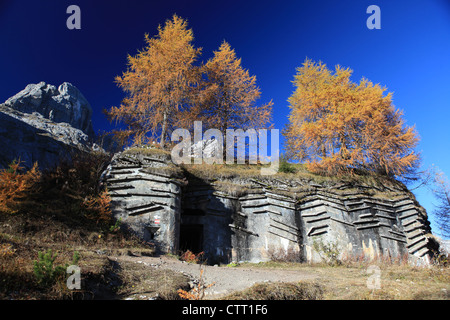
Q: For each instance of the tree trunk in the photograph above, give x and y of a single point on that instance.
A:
(163, 131)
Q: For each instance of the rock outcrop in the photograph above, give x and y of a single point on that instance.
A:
(43, 123)
(245, 218)
(65, 104)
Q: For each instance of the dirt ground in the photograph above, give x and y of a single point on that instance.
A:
(225, 279)
(348, 282)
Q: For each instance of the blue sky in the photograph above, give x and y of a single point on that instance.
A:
(410, 54)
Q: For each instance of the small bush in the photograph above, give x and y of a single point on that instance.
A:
(116, 226)
(99, 207)
(45, 272)
(281, 255)
(15, 184)
(77, 177)
(6, 250)
(198, 292)
(191, 257)
(286, 167)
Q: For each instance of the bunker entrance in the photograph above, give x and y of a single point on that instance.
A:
(191, 238)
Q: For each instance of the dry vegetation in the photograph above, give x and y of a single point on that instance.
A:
(280, 291)
(139, 282)
(349, 282)
(66, 211)
(297, 182)
(223, 176)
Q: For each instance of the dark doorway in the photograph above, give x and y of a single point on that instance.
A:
(193, 212)
(191, 238)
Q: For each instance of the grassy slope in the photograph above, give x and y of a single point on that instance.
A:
(53, 217)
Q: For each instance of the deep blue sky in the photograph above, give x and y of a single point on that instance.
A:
(409, 55)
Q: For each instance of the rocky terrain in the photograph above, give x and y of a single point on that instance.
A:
(223, 280)
(43, 124)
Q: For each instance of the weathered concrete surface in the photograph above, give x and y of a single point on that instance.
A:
(147, 201)
(275, 217)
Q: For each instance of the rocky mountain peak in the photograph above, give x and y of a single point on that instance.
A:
(63, 104)
(44, 123)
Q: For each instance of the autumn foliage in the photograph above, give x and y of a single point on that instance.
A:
(99, 207)
(191, 257)
(158, 83)
(229, 94)
(337, 126)
(198, 292)
(15, 184)
(167, 88)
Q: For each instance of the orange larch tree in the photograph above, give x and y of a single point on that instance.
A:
(159, 83)
(228, 95)
(15, 185)
(337, 126)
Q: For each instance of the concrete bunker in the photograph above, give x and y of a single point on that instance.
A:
(251, 219)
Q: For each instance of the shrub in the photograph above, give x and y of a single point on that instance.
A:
(198, 292)
(45, 272)
(281, 255)
(116, 226)
(6, 250)
(77, 177)
(285, 166)
(99, 207)
(191, 257)
(15, 184)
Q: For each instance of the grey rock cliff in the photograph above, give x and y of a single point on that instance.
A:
(43, 124)
(63, 104)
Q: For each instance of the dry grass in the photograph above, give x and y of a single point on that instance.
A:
(53, 216)
(239, 180)
(397, 282)
(234, 178)
(25, 236)
(169, 169)
(280, 291)
(154, 151)
(139, 282)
